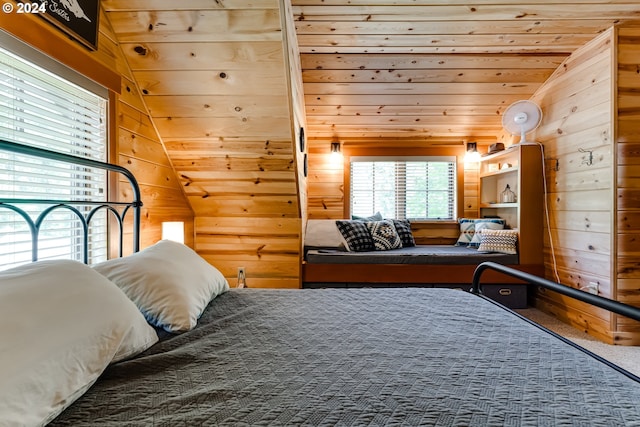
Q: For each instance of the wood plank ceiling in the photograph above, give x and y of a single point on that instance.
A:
(437, 71)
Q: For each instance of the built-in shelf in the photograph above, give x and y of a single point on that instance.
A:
(519, 167)
(499, 172)
(499, 205)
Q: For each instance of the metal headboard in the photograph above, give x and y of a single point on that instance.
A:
(71, 205)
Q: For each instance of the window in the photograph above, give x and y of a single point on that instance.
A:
(403, 188)
(38, 108)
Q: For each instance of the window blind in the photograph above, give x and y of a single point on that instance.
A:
(40, 109)
(404, 188)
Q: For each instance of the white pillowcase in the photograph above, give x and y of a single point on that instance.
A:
(62, 324)
(323, 233)
(169, 282)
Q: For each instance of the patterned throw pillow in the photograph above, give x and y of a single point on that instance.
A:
(467, 230)
(356, 235)
(483, 224)
(403, 227)
(384, 235)
(503, 241)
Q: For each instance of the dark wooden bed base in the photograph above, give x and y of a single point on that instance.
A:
(406, 273)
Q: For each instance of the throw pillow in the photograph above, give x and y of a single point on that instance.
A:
(484, 224)
(384, 235)
(403, 227)
(375, 217)
(356, 235)
(323, 233)
(467, 230)
(503, 241)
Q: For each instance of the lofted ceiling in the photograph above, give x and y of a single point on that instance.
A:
(440, 70)
(437, 71)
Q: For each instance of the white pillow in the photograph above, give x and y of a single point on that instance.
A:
(62, 325)
(323, 233)
(169, 282)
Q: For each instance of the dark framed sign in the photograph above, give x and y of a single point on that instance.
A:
(301, 139)
(77, 18)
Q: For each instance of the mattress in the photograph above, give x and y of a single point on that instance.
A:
(424, 254)
(346, 357)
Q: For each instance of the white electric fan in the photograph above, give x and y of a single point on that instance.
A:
(520, 118)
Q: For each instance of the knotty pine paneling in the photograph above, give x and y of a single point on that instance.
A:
(222, 84)
(268, 248)
(628, 179)
(577, 105)
(141, 151)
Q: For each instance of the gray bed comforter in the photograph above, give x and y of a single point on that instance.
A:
(353, 357)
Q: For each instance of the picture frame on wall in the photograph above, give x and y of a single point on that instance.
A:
(79, 19)
(305, 165)
(302, 139)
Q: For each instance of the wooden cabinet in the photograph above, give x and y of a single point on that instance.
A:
(520, 168)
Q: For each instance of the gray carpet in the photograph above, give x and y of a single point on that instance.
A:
(624, 356)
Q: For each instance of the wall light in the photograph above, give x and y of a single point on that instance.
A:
(472, 154)
(336, 152)
(173, 230)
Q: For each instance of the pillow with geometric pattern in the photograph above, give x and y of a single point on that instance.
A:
(403, 227)
(483, 224)
(356, 235)
(502, 241)
(384, 235)
(467, 230)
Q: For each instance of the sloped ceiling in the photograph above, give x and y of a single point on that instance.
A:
(213, 75)
(438, 71)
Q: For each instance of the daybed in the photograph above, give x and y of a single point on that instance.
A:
(329, 263)
(82, 352)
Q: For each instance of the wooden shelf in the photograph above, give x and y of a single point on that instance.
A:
(499, 172)
(524, 178)
(499, 205)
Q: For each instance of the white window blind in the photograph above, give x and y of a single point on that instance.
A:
(403, 188)
(38, 108)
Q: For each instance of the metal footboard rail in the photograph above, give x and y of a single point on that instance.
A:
(606, 303)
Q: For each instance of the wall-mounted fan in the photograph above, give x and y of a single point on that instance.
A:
(521, 117)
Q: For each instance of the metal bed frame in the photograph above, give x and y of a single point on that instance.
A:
(596, 300)
(119, 210)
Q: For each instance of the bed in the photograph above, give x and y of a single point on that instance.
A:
(383, 356)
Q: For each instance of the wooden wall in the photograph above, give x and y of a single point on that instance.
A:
(140, 149)
(627, 168)
(228, 106)
(134, 143)
(592, 228)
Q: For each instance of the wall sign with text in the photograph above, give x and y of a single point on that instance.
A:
(77, 18)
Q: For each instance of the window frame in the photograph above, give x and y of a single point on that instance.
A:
(383, 153)
(33, 56)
